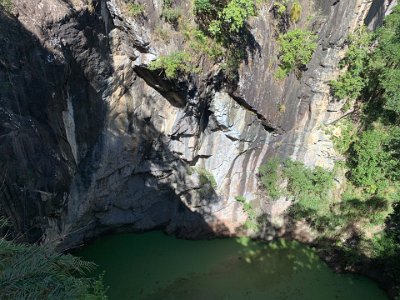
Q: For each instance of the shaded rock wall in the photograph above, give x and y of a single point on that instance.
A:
(91, 140)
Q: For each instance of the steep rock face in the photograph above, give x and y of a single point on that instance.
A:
(91, 140)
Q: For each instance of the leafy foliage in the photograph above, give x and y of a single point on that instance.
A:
(386, 61)
(206, 177)
(310, 187)
(269, 178)
(377, 72)
(203, 6)
(169, 13)
(375, 158)
(223, 17)
(236, 13)
(174, 64)
(352, 82)
(295, 12)
(281, 7)
(251, 222)
(240, 199)
(136, 9)
(7, 5)
(369, 204)
(34, 272)
(296, 49)
(348, 130)
(199, 43)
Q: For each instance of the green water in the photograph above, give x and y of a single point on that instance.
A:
(156, 266)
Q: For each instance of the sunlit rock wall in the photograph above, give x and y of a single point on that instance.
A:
(93, 141)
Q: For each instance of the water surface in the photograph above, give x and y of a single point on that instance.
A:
(155, 266)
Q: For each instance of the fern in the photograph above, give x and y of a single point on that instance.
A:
(37, 272)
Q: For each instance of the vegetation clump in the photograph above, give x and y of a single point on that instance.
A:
(295, 12)
(233, 16)
(136, 9)
(251, 222)
(7, 5)
(199, 43)
(310, 187)
(206, 177)
(364, 219)
(351, 83)
(296, 48)
(375, 158)
(170, 14)
(174, 64)
(269, 175)
(281, 7)
(203, 7)
(39, 272)
(343, 141)
(221, 17)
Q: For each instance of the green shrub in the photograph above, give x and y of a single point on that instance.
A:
(296, 48)
(390, 83)
(171, 15)
(39, 272)
(7, 5)
(225, 19)
(295, 12)
(375, 158)
(270, 178)
(206, 177)
(202, 6)
(174, 64)
(384, 246)
(310, 187)
(280, 73)
(281, 7)
(200, 43)
(348, 132)
(348, 86)
(237, 12)
(251, 222)
(352, 82)
(136, 9)
(386, 61)
(240, 199)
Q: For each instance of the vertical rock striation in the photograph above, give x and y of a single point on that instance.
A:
(91, 140)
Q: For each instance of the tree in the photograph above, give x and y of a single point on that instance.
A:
(39, 272)
(296, 48)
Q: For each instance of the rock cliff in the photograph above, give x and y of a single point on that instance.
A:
(91, 140)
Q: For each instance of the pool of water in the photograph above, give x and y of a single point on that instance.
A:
(156, 266)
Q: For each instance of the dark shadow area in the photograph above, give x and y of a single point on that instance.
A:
(30, 137)
(376, 14)
(241, 47)
(40, 167)
(176, 92)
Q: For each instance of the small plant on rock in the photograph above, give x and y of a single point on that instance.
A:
(7, 5)
(136, 9)
(295, 12)
(174, 64)
(296, 48)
